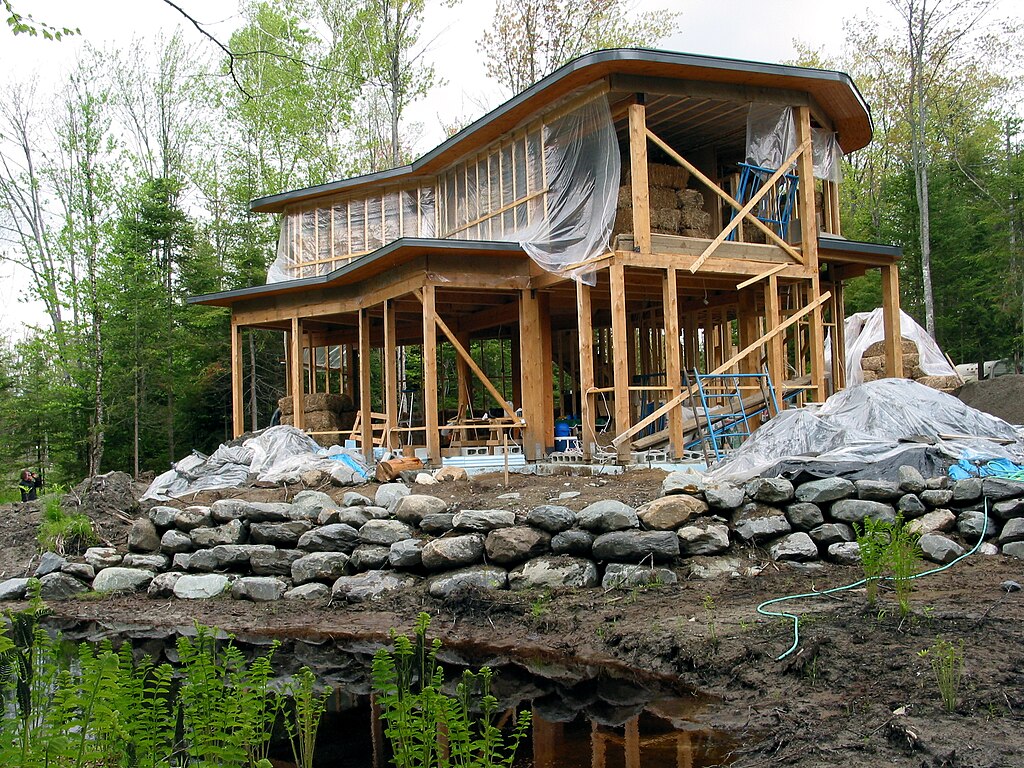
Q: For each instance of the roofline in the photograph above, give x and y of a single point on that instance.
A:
(842, 244)
(275, 203)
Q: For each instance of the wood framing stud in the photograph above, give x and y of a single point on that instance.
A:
(237, 406)
(295, 372)
(365, 393)
(620, 364)
(430, 419)
(891, 321)
(638, 178)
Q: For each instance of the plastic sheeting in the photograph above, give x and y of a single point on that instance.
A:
(771, 138)
(866, 328)
(866, 424)
(278, 454)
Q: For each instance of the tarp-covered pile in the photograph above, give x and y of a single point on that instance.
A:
(868, 428)
(275, 455)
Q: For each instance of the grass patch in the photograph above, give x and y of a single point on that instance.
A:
(63, 533)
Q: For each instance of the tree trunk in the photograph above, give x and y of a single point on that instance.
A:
(253, 406)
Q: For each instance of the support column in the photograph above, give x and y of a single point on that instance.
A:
(535, 364)
(585, 341)
(891, 321)
(776, 352)
(237, 406)
(809, 246)
(463, 376)
(389, 361)
(620, 366)
(295, 373)
(365, 395)
(433, 437)
(747, 321)
(673, 359)
(839, 357)
(638, 178)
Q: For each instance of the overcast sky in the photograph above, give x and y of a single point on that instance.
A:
(747, 29)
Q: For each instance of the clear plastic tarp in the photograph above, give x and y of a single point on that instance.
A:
(275, 455)
(863, 329)
(866, 424)
(771, 138)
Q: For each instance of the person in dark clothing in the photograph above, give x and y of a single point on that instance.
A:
(29, 485)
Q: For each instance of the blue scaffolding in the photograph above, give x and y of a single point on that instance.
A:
(727, 419)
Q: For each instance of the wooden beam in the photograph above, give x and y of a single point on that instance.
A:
(430, 419)
(585, 341)
(763, 276)
(772, 320)
(638, 178)
(839, 316)
(809, 246)
(390, 363)
(623, 437)
(295, 375)
(237, 406)
(673, 359)
(365, 393)
(891, 321)
(535, 374)
(620, 363)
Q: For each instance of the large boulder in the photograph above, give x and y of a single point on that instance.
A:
(81, 571)
(154, 562)
(910, 479)
(573, 542)
(235, 555)
(608, 515)
(258, 589)
(844, 553)
(724, 496)
(936, 521)
(233, 532)
(551, 518)
(454, 552)
(636, 546)
(388, 495)
(804, 515)
(506, 546)
(1012, 531)
(936, 498)
(999, 488)
(174, 541)
(319, 566)
(143, 536)
(551, 572)
(200, 587)
(371, 585)
(273, 561)
(967, 490)
(857, 510)
(278, 534)
(226, 510)
(825, 490)
(102, 557)
(625, 576)
(877, 490)
(910, 506)
(670, 512)
(406, 554)
(412, 508)
(940, 549)
(769, 490)
(477, 577)
(162, 585)
(13, 589)
(796, 546)
(827, 534)
(354, 499)
(369, 557)
(703, 538)
(330, 538)
(312, 591)
(483, 520)
(354, 516)
(438, 523)
(972, 523)
(49, 562)
(190, 518)
(162, 516)
(758, 522)
(269, 512)
(683, 481)
(1008, 509)
(705, 568)
(309, 504)
(385, 532)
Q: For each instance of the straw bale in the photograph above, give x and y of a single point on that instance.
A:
(625, 196)
(878, 348)
(911, 360)
(874, 363)
(694, 218)
(940, 382)
(322, 421)
(665, 220)
(873, 375)
(690, 198)
(661, 175)
(320, 401)
(663, 198)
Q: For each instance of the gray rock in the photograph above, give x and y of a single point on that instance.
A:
(971, 523)
(163, 517)
(312, 503)
(1012, 531)
(877, 490)
(319, 566)
(81, 571)
(278, 534)
(273, 562)
(13, 589)
(369, 557)
(936, 521)
(483, 520)
(60, 586)
(796, 546)
(573, 542)
(384, 532)
(413, 507)
(440, 522)
(330, 538)
(940, 549)
(203, 561)
(568, 495)
(940, 483)
(857, 510)
(825, 490)
(200, 586)
(937, 498)
(910, 506)
(967, 490)
(181, 561)
(706, 539)
(608, 515)
(1010, 586)
(234, 532)
(758, 522)
(683, 481)
(910, 479)
(670, 512)
(623, 576)
(713, 567)
(162, 585)
(174, 541)
(102, 557)
(478, 577)
(1014, 549)
(237, 555)
(827, 534)
(406, 554)
(354, 516)
(376, 513)
(506, 546)
(268, 512)
(551, 518)
(769, 490)
(388, 494)
(1008, 509)
(636, 546)
(804, 515)
(454, 552)
(553, 572)
(514, 496)
(226, 510)
(121, 580)
(311, 591)
(155, 562)
(1000, 489)
(49, 562)
(844, 553)
(258, 589)
(142, 537)
(989, 549)
(371, 585)
(353, 499)
(723, 496)
(343, 475)
(191, 518)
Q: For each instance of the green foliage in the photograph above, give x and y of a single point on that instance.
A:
(947, 661)
(62, 532)
(888, 550)
(408, 681)
(25, 24)
(308, 707)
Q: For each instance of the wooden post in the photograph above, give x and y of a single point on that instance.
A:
(809, 246)
(295, 372)
(772, 319)
(839, 357)
(365, 395)
(463, 376)
(748, 317)
(433, 436)
(673, 359)
(891, 321)
(390, 364)
(631, 742)
(237, 406)
(638, 178)
(585, 340)
(535, 364)
(620, 367)
(598, 746)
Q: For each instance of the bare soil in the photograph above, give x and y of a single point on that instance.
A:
(1002, 397)
(857, 693)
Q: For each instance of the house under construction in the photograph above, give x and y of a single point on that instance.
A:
(590, 252)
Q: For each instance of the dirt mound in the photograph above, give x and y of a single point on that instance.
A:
(1002, 397)
(110, 501)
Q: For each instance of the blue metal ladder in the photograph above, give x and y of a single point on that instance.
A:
(776, 207)
(728, 425)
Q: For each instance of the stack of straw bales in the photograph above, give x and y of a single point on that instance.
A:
(872, 362)
(675, 210)
(324, 413)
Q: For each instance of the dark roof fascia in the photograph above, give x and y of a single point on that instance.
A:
(834, 243)
(417, 244)
(274, 203)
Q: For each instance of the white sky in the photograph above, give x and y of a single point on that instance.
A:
(761, 30)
